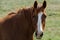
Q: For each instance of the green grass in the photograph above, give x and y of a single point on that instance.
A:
(52, 30)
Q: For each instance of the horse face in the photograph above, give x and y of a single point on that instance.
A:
(40, 24)
(41, 16)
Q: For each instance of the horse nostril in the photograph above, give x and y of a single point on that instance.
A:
(41, 34)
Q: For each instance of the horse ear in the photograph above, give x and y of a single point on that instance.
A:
(35, 4)
(44, 4)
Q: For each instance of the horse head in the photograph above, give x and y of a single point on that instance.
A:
(39, 17)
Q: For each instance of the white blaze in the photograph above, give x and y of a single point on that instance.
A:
(39, 24)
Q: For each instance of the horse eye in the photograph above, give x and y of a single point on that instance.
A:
(44, 15)
(33, 16)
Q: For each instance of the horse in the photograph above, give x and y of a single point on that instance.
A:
(23, 24)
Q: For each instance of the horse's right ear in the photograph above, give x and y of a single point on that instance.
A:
(35, 4)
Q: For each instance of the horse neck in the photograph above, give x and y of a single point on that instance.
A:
(31, 28)
(28, 16)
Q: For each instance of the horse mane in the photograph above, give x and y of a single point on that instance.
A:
(18, 12)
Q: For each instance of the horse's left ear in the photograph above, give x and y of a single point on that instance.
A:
(35, 4)
(44, 4)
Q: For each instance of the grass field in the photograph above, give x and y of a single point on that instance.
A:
(52, 30)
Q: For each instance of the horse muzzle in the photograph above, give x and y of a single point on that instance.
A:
(39, 36)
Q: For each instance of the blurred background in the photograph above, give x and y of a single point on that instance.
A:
(52, 29)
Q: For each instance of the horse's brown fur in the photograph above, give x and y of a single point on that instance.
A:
(17, 26)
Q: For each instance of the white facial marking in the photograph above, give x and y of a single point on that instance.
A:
(39, 24)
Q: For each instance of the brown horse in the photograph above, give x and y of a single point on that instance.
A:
(22, 25)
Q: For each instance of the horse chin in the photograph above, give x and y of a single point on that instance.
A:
(38, 37)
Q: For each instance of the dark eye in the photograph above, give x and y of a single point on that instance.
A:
(35, 18)
(44, 16)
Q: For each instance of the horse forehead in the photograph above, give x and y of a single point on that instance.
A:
(41, 15)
